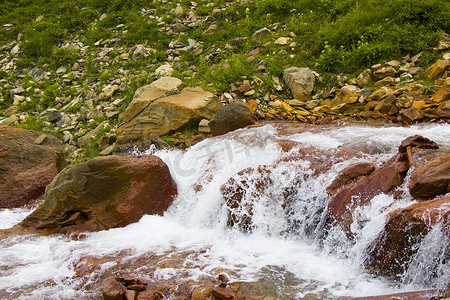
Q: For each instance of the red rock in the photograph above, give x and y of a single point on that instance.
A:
(349, 174)
(410, 115)
(419, 295)
(150, 295)
(384, 180)
(105, 192)
(405, 228)
(113, 290)
(431, 179)
(222, 293)
(417, 141)
(29, 160)
(130, 295)
(240, 212)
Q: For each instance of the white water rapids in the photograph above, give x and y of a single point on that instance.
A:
(292, 250)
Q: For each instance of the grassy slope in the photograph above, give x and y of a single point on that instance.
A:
(331, 36)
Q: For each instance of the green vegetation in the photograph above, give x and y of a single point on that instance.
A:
(94, 41)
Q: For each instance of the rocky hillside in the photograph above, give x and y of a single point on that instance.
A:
(71, 68)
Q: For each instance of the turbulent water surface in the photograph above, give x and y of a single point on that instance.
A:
(291, 250)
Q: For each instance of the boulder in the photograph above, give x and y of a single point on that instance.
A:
(112, 289)
(417, 141)
(364, 78)
(349, 174)
(444, 110)
(404, 230)
(146, 95)
(383, 72)
(301, 82)
(167, 114)
(29, 160)
(410, 115)
(231, 117)
(384, 180)
(431, 179)
(438, 69)
(443, 94)
(102, 193)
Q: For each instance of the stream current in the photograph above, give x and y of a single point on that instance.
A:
(292, 250)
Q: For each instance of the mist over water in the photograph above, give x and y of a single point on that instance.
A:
(292, 249)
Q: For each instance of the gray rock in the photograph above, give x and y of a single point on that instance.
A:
(51, 115)
(260, 33)
(231, 117)
(178, 27)
(301, 81)
(139, 53)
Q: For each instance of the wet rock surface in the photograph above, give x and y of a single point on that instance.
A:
(104, 193)
(29, 160)
(405, 228)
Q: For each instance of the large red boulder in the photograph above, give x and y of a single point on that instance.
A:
(431, 179)
(384, 180)
(350, 174)
(412, 152)
(103, 193)
(29, 160)
(404, 229)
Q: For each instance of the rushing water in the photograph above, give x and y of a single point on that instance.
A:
(292, 250)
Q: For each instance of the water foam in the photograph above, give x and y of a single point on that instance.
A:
(292, 249)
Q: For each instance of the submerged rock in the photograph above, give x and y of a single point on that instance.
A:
(103, 193)
(349, 174)
(29, 160)
(384, 180)
(404, 230)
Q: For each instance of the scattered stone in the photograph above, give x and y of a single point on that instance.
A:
(11, 110)
(260, 33)
(438, 69)
(178, 27)
(164, 70)
(283, 41)
(443, 94)
(139, 53)
(113, 290)
(231, 117)
(210, 30)
(9, 120)
(222, 293)
(383, 72)
(364, 78)
(301, 82)
(203, 126)
(411, 115)
(444, 43)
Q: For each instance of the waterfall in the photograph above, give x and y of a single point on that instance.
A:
(278, 233)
